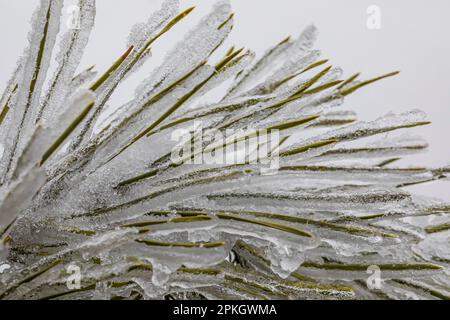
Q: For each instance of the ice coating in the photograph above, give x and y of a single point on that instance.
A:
(113, 202)
(140, 40)
(261, 66)
(141, 32)
(20, 196)
(195, 48)
(46, 20)
(81, 80)
(71, 50)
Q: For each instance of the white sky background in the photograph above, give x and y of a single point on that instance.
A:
(414, 38)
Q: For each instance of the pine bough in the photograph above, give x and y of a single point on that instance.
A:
(100, 192)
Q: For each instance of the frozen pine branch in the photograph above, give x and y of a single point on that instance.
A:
(114, 204)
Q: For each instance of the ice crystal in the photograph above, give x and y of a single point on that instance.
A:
(112, 202)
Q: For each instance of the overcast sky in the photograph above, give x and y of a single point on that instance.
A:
(414, 38)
